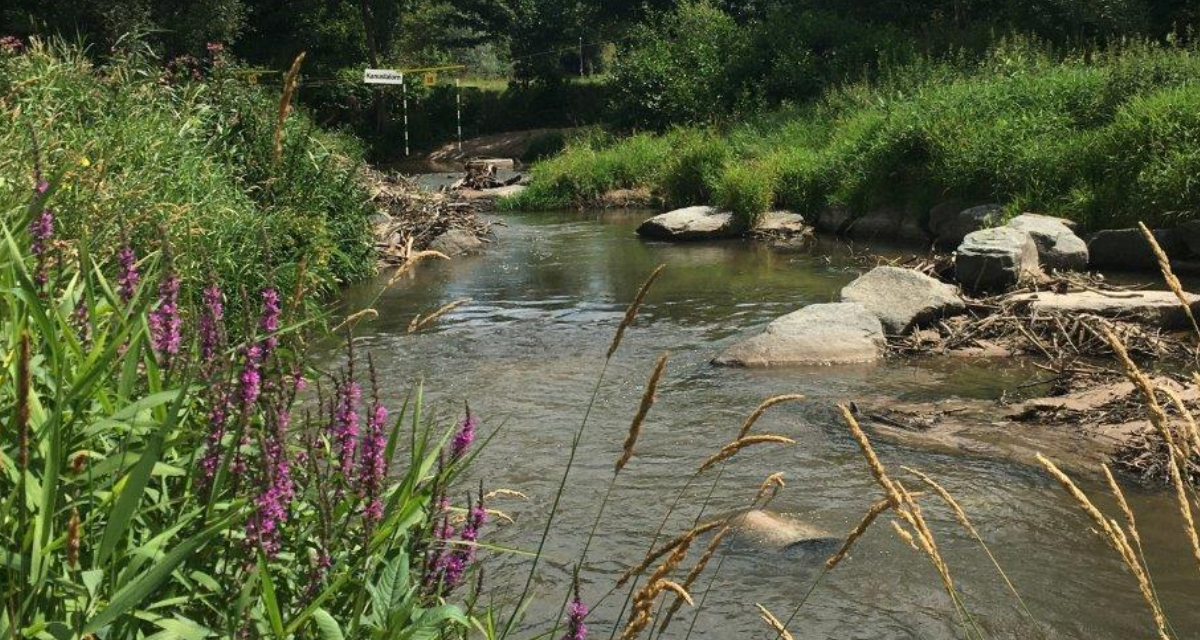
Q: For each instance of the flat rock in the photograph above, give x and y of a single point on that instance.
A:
(1128, 250)
(495, 193)
(782, 223)
(1058, 246)
(903, 299)
(819, 334)
(457, 242)
(887, 224)
(950, 224)
(690, 223)
(1156, 308)
(995, 259)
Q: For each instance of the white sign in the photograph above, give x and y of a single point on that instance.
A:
(382, 76)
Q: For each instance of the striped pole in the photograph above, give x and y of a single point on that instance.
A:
(458, 100)
(404, 89)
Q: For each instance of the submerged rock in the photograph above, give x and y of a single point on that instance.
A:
(457, 242)
(1156, 308)
(1058, 246)
(995, 259)
(690, 223)
(1127, 249)
(820, 334)
(951, 224)
(903, 299)
(773, 531)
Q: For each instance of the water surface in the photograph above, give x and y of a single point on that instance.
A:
(526, 353)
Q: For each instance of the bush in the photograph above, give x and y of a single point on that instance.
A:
(691, 174)
(748, 191)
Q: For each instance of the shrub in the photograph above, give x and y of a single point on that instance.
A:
(748, 191)
(690, 175)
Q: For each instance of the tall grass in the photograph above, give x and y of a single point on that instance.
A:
(1102, 137)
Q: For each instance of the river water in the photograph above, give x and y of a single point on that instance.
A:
(526, 353)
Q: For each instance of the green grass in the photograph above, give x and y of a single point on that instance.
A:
(1105, 138)
(153, 155)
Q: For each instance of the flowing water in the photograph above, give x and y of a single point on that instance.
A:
(526, 353)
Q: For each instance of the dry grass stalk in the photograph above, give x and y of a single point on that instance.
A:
(410, 261)
(905, 535)
(762, 408)
(678, 590)
(635, 428)
(643, 601)
(774, 623)
(916, 519)
(632, 311)
(732, 448)
(511, 493)
(874, 512)
(353, 319)
(773, 484)
(1164, 264)
(1130, 521)
(692, 575)
(285, 104)
(683, 538)
(1111, 533)
(1191, 443)
(419, 322)
(873, 462)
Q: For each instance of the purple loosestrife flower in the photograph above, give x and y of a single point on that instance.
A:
(373, 465)
(165, 324)
(435, 557)
(41, 232)
(41, 187)
(345, 425)
(10, 44)
(82, 319)
(127, 275)
(250, 378)
(217, 418)
(456, 562)
(212, 317)
(273, 502)
(269, 322)
(577, 612)
(465, 436)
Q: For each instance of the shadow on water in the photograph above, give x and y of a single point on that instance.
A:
(525, 352)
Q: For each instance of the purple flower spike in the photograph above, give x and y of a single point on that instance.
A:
(212, 443)
(344, 428)
(465, 436)
(273, 503)
(251, 378)
(373, 465)
(41, 232)
(212, 316)
(165, 324)
(577, 611)
(269, 322)
(127, 275)
(41, 187)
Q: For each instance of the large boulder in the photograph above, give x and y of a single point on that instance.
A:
(820, 334)
(1058, 246)
(762, 529)
(951, 224)
(784, 223)
(1128, 249)
(887, 224)
(457, 242)
(690, 223)
(994, 259)
(903, 298)
(1157, 308)
(834, 218)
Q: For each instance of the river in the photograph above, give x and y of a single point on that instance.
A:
(526, 353)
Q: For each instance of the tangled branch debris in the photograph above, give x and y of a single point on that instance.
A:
(411, 218)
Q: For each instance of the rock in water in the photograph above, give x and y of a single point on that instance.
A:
(782, 223)
(1156, 308)
(903, 299)
(887, 224)
(457, 242)
(994, 259)
(950, 224)
(690, 223)
(768, 530)
(820, 334)
(1058, 246)
(1127, 249)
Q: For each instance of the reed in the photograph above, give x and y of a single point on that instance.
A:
(731, 449)
(1191, 444)
(285, 105)
(857, 532)
(354, 318)
(635, 427)
(643, 601)
(678, 590)
(1164, 265)
(774, 622)
(1111, 533)
(420, 322)
(904, 535)
(692, 576)
(631, 311)
(762, 408)
(772, 485)
(682, 539)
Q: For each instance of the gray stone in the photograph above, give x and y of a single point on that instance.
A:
(996, 258)
(1058, 246)
(1156, 308)
(690, 223)
(820, 334)
(950, 224)
(457, 242)
(762, 529)
(782, 223)
(903, 299)
(833, 218)
(887, 224)
(1128, 249)
(1188, 235)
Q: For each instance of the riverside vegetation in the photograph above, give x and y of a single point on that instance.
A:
(171, 468)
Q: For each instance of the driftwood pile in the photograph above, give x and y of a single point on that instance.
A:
(481, 176)
(411, 218)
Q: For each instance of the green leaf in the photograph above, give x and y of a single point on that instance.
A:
(269, 601)
(138, 589)
(327, 626)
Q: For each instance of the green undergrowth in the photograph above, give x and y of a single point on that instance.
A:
(1105, 138)
(184, 154)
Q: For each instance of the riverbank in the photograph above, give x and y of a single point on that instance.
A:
(1104, 140)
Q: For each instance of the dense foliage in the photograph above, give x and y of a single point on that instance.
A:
(186, 153)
